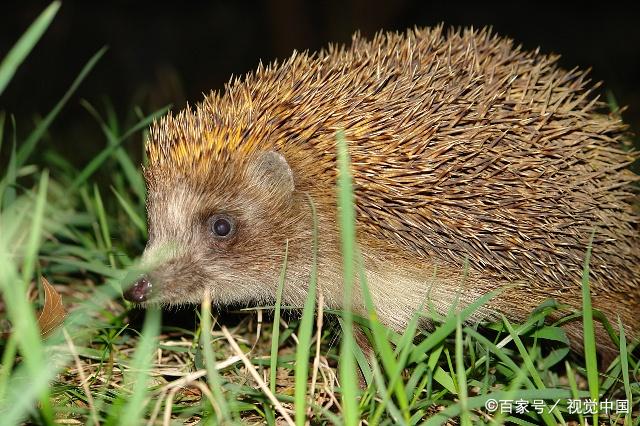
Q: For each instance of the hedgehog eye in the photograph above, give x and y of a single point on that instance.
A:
(222, 226)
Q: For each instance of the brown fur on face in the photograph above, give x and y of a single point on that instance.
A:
(259, 196)
(465, 150)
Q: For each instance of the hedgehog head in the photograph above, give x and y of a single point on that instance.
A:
(221, 207)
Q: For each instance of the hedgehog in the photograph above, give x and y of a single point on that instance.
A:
(477, 165)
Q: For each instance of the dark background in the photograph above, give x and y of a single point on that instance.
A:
(170, 53)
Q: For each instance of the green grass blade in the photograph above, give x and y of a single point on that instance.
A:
(513, 392)
(361, 359)
(215, 383)
(446, 380)
(30, 143)
(3, 118)
(465, 417)
(137, 220)
(21, 313)
(305, 330)
(589, 332)
(106, 153)
(23, 390)
(498, 353)
(275, 335)
(104, 226)
(31, 253)
(394, 366)
(387, 404)
(346, 213)
(528, 362)
(25, 44)
(383, 348)
(134, 178)
(8, 181)
(624, 364)
(8, 360)
(571, 377)
(416, 375)
(145, 121)
(448, 327)
(133, 410)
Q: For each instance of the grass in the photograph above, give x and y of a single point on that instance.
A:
(105, 367)
(347, 222)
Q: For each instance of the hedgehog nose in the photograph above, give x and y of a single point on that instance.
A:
(139, 291)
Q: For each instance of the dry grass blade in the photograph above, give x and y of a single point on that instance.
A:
(53, 312)
(83, 378)
(168, 410)
(256, 376)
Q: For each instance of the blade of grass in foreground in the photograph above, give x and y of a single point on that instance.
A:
(346, 213)
(624, 364)
(33, 244)
(3, 118)
(7, 182)
(530, 368)
(275, 335)
(8, 360)
(137, 220)
(465, 417)
(142, 361)
(571, 377)
(222, 409)
(384, 393)
(448, 327)
(21, 314)
(392, 365)
(513, 391)
(589, 333)
(25, 44)
(24, 389)
(103, 228)
(14, 288)
(305, 330)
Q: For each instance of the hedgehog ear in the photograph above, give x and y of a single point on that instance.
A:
(272, 169)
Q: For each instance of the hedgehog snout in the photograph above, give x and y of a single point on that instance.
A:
(140, 291)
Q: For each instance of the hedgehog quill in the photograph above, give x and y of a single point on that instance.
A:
(465, 150)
